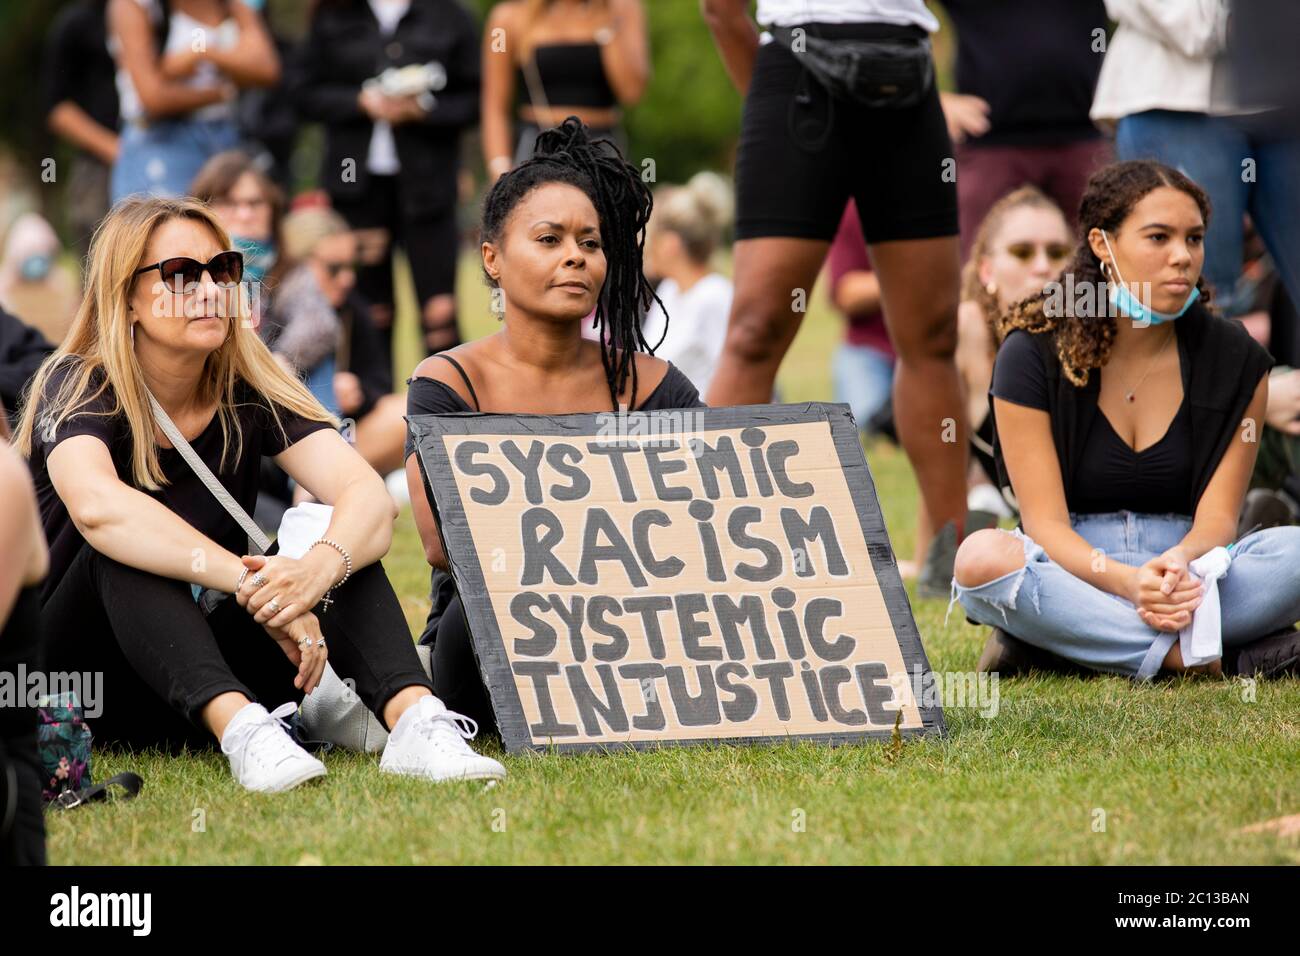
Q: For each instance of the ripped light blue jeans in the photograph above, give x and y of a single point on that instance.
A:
(1047, 606)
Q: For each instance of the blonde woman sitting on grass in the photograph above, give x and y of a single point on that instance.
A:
(140, 547)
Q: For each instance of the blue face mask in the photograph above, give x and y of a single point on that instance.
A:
(35, 268)
(1124, 301)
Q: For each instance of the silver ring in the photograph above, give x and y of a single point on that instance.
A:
(274, 605)
(259, 579)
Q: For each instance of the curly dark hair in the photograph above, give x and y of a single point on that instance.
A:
(1083, 342)
(623, 204)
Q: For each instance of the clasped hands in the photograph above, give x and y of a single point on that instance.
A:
(280, 592)
(1165, 592)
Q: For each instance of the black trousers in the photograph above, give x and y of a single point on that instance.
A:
(457, 680)
(22, 820)
(431, 244)
(163, 661)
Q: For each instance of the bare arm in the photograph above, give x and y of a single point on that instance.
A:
(1215, 522)
(336, 474)
(112, 517)
(1025, 435)
(253, 61)
(498, 90)
(735, 36)
(138, 55)
(421, 506)
(287, 588)
(21, 540)
(627, 56)
(71, 122)
(422, 511)
(857, 291)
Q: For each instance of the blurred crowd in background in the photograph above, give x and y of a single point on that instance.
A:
(333, 136)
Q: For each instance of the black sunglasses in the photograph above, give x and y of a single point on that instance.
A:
(226, 269)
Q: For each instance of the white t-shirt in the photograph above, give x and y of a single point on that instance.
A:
(697, 326)
(790, 13)
(183, 32)
(381, 159)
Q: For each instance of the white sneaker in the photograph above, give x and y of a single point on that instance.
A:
(429, 741)
(263, 757)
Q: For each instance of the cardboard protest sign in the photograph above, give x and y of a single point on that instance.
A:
(645, 578)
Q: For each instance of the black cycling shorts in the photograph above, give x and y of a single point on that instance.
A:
(803, 154)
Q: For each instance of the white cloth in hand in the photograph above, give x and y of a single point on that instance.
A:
(1202, 640)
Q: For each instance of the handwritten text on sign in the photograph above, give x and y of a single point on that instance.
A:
(716, 586)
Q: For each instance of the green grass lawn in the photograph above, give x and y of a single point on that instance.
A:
(1067, 771)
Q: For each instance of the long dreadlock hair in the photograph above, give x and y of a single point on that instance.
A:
(1083, 342)
(623, 204)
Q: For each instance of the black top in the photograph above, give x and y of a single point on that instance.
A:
(184, 493)
(76, 64)
(571, 74)
(1034, 62)
(428, 396)
(1111, 476)
(1221, 368)
(346, 47)
(22, 350)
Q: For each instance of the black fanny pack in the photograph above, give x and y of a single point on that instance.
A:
(892, 73)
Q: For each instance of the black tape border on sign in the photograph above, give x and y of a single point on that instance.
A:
(468, 575)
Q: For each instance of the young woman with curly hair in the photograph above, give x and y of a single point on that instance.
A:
(1126, 413)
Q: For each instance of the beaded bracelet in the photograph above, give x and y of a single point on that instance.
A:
(326, 600)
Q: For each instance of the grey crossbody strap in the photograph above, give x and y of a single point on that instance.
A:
(256, 537)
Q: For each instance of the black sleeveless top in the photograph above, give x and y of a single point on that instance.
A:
(571, 74)
(427, 396)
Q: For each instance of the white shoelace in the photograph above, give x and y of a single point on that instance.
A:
(446, 729)
(283, 746)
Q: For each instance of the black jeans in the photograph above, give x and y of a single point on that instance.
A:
(457, 680)
(431, 244)
(163, 661)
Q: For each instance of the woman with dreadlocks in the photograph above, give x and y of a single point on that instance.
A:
(563, 234)
(1126, 414)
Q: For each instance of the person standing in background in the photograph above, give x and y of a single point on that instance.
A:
(1026, 71)
(180, 65)
(392, 152)
(77, 81)
(862, 367)
(1159, 88)
(804, 152)
(583, 58)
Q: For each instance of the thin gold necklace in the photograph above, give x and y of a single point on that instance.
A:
(1131, 395)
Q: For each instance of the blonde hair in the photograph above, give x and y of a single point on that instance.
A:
(699, 213)
(100, 341)
(972, 289)
(303, 230)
